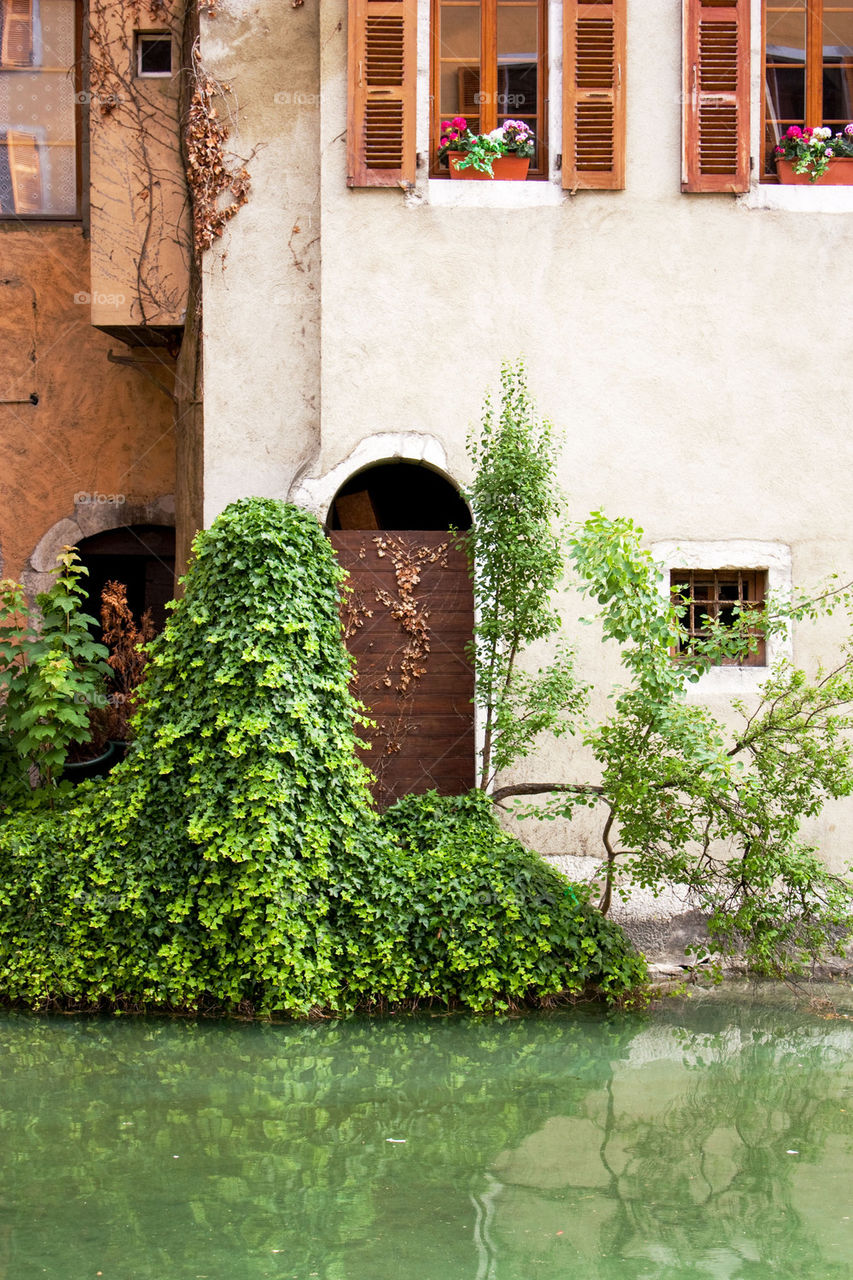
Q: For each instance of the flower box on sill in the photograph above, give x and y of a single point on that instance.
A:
(821, 157)
(504, 169)
(838, 173)
(504, 154)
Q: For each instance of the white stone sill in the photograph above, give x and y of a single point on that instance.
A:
(496, 194)
(443, 193)
(796, 199)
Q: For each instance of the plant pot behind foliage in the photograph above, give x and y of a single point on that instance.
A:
(98, 766)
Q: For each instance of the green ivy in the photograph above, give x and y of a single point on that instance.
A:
(235, 858)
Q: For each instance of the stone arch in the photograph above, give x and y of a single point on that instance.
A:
(94, 513)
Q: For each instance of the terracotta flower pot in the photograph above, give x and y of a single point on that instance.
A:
(506, 168)
(839, 173)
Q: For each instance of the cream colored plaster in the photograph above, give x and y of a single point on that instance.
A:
(261, 281)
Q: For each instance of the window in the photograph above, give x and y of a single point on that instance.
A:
(701, 594)
(808, 67)
(153, 53)
(489, 64)
(38, 118)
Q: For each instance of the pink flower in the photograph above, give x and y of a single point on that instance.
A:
(459, 122)
(848, 129)
(794, 132)
(808, 131)
(445, 125)
(452, 135)
(780, 151)
(444, 142)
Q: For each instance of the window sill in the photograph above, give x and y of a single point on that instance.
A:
(796, 199)
(493, 195)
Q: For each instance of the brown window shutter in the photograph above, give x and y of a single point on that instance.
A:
(25, 171)
(381, 101)
(594, 45)
(16, 45)
(715, 130)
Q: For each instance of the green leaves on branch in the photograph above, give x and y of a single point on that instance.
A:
(693, 801)
(515, 550)
(51, 674)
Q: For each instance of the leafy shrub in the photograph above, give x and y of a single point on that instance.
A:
(487, 918)
(235, 857)
(50, 675)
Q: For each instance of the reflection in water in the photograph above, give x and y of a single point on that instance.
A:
(708, 1140)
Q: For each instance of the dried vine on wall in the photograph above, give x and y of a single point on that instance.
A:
(211, 173)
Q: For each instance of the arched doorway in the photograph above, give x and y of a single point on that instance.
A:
(408, 621)
(140, 556)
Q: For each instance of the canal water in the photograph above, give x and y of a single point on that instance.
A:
(711, 1137)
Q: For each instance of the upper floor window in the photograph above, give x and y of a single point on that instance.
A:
(489, 64)
(808, 62)
(38, 116)
(153, 53)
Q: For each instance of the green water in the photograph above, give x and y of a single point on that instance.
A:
(710, 1138)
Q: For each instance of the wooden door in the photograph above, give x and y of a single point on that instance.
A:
(408, 619)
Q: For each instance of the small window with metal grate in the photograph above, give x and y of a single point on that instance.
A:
(719, 594)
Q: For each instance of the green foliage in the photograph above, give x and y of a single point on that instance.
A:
(485, 916)
(516, 563)
(697, 804)
(51, 672)
(235, 858)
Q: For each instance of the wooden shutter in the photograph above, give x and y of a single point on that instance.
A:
(715, 131)
(382, 83)
(25, 171)
(594, 94)
(16, 45)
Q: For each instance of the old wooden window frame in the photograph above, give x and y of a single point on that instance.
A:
(716, 585)
(814, 74)
(488, 90)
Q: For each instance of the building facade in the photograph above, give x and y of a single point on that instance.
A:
(681, 313)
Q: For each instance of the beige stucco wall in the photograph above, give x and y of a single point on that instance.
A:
(693, 349)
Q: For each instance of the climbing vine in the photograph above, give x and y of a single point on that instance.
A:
(219, 183)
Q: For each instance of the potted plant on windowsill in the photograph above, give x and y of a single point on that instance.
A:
(504, 154)
(814, 156)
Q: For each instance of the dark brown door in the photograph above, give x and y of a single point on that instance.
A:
(408, 619)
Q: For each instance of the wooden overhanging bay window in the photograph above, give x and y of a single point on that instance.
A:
(39, 65)
(703, 594)
(808, 68)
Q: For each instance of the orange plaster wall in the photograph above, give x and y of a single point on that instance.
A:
(98, 428)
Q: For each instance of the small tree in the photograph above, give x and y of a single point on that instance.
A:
(51, 670)
(688, 801)
(517, 561)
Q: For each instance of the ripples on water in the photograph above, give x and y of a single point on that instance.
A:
(711, 1138)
